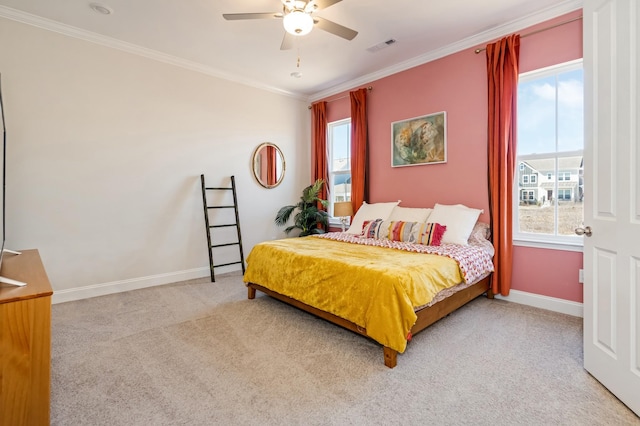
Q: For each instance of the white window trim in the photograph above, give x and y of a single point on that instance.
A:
(556, 244)
(334, 221)
(551, 70)
(559, 242)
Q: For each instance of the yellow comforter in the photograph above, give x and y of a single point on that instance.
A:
(376, 288)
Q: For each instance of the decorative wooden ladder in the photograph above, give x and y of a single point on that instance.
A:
(209, 227)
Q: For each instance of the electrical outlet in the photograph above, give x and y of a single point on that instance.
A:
(581, 275)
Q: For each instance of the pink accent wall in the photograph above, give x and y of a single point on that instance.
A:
(457, 84)
(552, 273)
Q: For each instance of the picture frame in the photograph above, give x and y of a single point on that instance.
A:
(419, 140)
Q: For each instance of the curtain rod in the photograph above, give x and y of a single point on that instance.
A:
(370, 88)
(538, 31)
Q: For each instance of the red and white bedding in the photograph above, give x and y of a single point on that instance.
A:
(474, 260)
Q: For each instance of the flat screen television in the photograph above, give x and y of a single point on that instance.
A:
(3, 174)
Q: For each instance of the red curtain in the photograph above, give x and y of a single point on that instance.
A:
(359, 188)
(319, 166)
(502, 72)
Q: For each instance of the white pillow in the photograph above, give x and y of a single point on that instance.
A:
(458, 219)
(409, 214)
(370, 212)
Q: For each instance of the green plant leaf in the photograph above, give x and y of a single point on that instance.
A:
(283, 215)
(307, 215)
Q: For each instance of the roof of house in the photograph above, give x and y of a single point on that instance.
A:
(548, 164)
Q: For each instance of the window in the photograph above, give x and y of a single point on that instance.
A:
(528, 196)
(564, 194)
(525, 179)
(550, 142)
(339, 151)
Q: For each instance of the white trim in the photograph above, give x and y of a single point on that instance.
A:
(564, 246)
(68, 295)
(540, 240)
(331, 126)
(68, 30)
(574, 64)
(94, 290)
(477, 40)
(544, 302)
(473, 41)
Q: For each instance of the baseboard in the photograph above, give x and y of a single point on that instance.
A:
(78, 293)
(544, 302)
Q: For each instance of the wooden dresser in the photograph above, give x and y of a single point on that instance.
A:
(25, 341)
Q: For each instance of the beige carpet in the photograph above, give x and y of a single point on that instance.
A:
(200, 353)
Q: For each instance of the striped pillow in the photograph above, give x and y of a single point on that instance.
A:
(410, 232)
(429, 234)
(370, 228)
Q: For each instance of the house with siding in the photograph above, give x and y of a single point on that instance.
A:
(540, 181)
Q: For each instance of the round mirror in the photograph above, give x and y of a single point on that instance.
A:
(268, 165)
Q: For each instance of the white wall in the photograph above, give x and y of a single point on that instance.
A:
(105, 151)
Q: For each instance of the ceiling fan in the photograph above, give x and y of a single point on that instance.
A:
(298, 20)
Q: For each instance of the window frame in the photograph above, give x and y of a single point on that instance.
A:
(557, 242)
(563, 192)
(334, 221)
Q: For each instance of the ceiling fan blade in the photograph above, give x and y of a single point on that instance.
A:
(323, 4)
(334, 28)
(240, 16)
(287, 41)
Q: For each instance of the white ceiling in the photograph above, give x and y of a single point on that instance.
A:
(193, 34)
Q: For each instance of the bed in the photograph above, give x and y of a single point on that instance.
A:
(384, 288)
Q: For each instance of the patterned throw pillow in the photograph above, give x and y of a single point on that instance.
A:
(401, 231)
(370, 212)
(370, 228)
(429, 234)
(410, 232)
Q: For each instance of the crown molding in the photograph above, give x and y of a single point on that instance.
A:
(68, 30)
(477, 40)
(474, 41)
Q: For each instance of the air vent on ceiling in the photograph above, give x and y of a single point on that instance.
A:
(382, 45)
(101, 8)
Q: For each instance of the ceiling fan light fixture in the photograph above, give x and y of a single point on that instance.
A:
(298, 23)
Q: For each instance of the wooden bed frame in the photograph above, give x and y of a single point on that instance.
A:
(426, 316)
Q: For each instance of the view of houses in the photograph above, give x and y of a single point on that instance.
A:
(540, 184)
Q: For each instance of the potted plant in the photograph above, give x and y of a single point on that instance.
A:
(308, 216)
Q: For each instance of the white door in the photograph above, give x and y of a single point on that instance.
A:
(612, 197)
